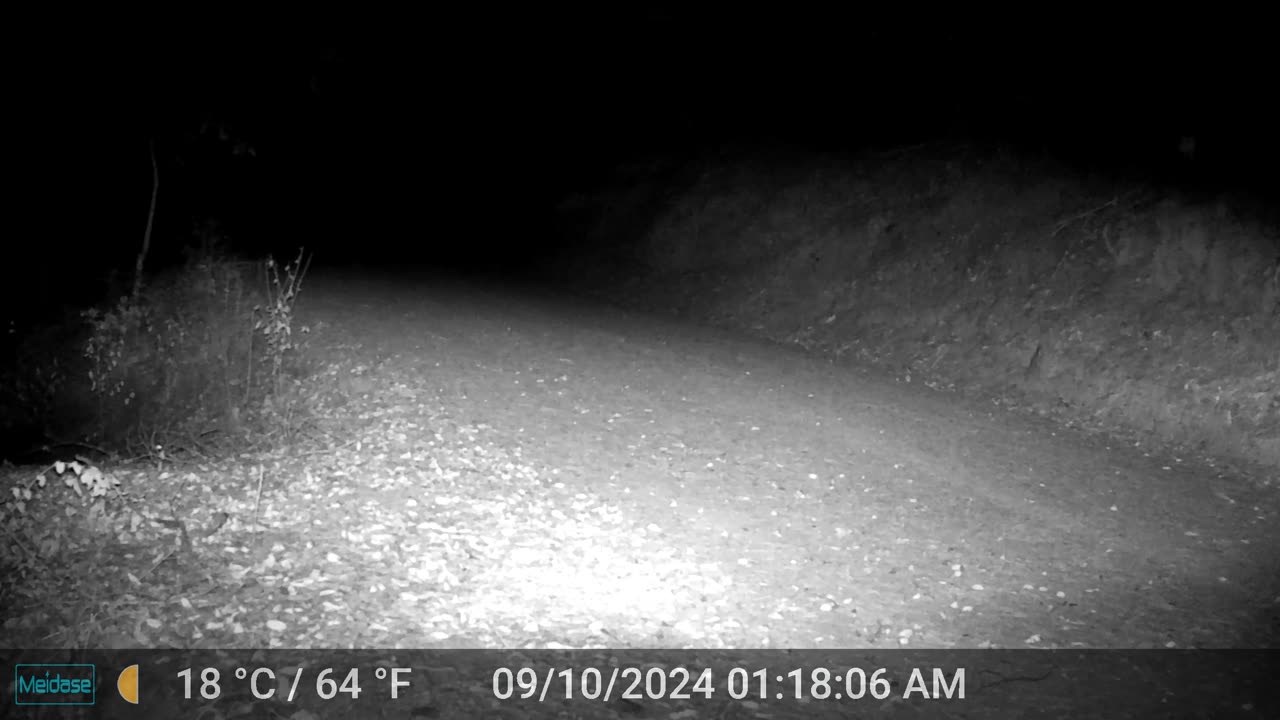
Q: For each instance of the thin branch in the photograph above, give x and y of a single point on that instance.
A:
(151, 218)
(1066, 223)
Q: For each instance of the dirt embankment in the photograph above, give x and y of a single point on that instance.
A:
(1110, 304)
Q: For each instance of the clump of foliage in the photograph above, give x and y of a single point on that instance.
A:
(201, 349)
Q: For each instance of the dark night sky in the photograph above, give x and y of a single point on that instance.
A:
(408, 137)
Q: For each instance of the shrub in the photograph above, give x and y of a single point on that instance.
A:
(199, 346)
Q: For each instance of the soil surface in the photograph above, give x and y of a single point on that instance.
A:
(485, 466)
(674, 485)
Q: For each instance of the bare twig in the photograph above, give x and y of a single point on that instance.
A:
(322, 451)
(1071, 220)
(1112, 250)
(151, 217)
(257, 502)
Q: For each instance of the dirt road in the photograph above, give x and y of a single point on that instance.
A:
(670, 485)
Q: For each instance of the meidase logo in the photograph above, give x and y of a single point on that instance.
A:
(54, 684)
